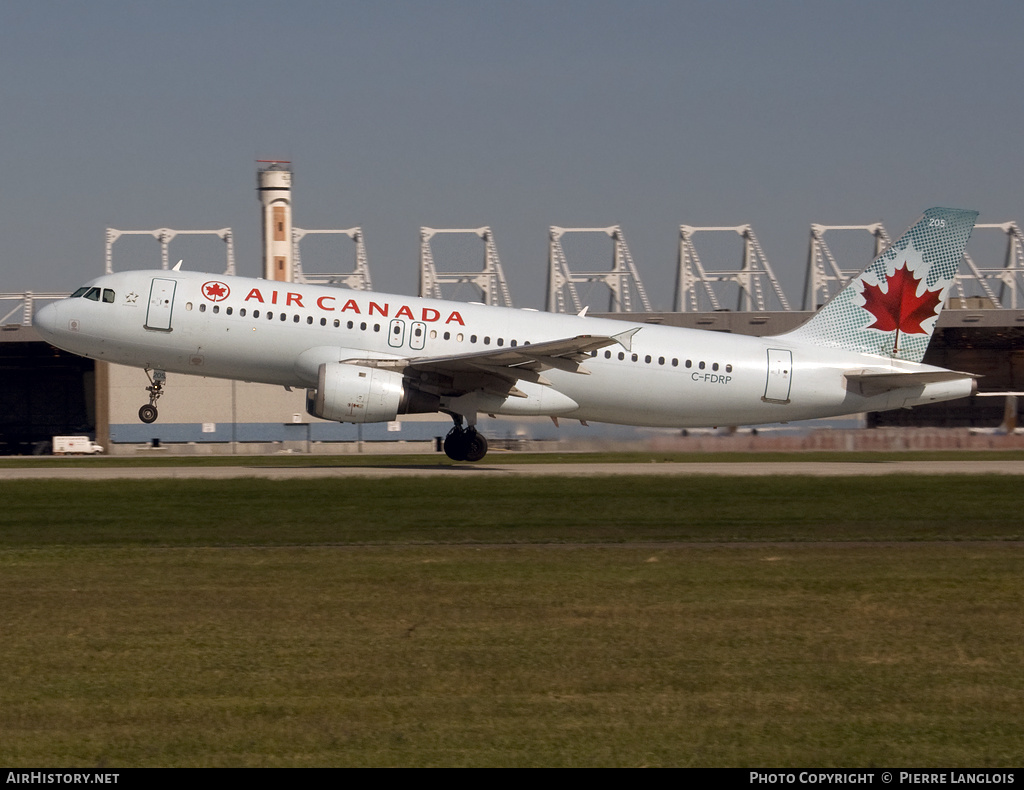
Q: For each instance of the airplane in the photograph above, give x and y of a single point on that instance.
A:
(368, 357)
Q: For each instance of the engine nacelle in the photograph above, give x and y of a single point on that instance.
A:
(352, 393)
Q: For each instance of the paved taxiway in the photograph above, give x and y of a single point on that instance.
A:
(740, 469)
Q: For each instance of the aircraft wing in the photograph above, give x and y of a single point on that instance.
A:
(497, 370)
(875, 382)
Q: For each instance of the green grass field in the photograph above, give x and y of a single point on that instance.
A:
(509, 457)
(562, 622)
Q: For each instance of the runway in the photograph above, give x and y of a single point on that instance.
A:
(469, 472)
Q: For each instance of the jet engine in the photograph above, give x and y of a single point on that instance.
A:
(352, 393)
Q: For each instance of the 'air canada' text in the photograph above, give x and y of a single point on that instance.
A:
(329, 304)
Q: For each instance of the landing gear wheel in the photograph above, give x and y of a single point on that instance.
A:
(476, 445)
(465, 445)
(455, 445)
(155, 389)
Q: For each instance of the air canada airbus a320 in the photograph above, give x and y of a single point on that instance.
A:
(368, 357)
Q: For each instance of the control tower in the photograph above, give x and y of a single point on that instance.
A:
(274, 184)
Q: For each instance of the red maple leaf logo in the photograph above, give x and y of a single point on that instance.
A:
(215, 291)
(900, 307)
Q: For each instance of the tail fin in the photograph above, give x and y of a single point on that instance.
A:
(892, 307)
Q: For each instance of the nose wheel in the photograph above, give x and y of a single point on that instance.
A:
(148, 413)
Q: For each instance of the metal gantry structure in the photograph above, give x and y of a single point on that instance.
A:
(358, 279)
(1000, 286)
(748, 284)
(825, 278)
(25, 302)
(623, 280)
(699, 288)
(165, 236)
(490, 280)
(1008, 276)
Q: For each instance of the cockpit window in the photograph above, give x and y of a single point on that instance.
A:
(93, 293)
(108, 296)
(80, 292)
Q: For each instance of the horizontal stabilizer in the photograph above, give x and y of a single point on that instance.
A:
(870, 383)
(999, 394)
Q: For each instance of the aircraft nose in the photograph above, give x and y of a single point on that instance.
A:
(45, 320)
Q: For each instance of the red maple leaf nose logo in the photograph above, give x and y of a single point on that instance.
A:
(215, 291)
(900, 307)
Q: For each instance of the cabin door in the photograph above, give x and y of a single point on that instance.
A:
(780, 375)
(161, 303)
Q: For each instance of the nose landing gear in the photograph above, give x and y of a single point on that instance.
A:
(464, 444)
(148, 413)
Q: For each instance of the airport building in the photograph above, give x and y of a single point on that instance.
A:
(45, 392)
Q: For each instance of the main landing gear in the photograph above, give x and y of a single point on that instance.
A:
(464, 444)
(155, 389)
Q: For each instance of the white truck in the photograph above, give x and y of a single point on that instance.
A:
(71, 445)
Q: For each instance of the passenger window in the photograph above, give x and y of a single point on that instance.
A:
(242, 313)
(229, 311)
(188, 306)
(607, 354)
(255, 313)
(216, 308)
(621, 356)
(647, 359)
(728, 368)
(714, 366)
(202, 307)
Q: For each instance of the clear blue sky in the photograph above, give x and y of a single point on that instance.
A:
(516, 115)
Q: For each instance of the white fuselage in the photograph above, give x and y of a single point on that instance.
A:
(278, 333)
